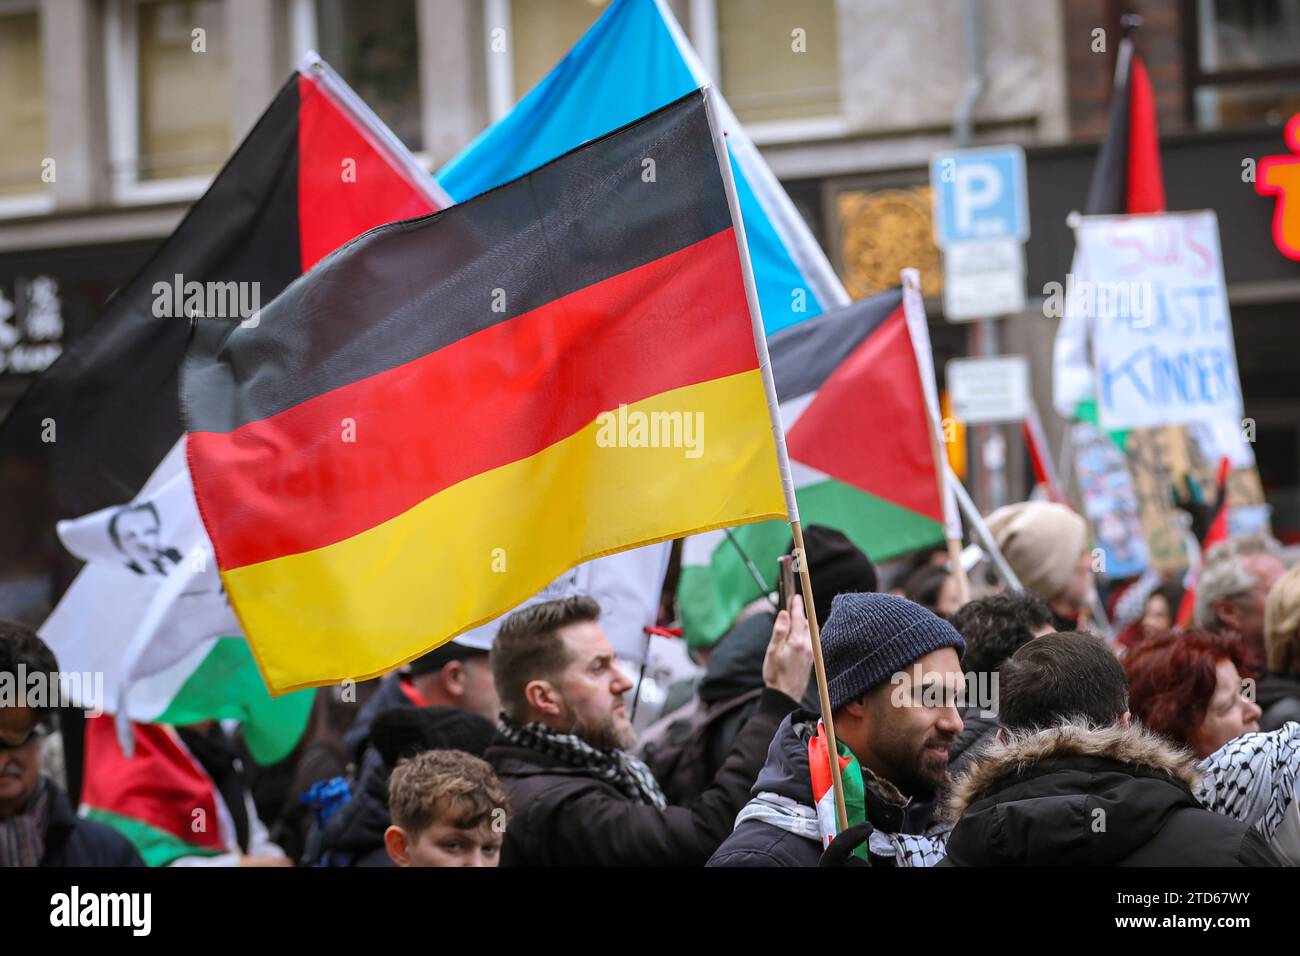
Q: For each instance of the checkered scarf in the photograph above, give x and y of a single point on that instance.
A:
(22, 836)
(614, 766)
(1253, 778)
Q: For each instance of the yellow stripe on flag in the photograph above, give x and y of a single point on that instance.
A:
(467, 554)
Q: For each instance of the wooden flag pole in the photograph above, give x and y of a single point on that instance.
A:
(782, 457)
(819, 667)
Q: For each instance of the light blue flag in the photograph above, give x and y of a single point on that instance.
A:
(632, 61)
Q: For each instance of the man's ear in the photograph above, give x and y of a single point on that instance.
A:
(452, 678)
(544, 698)
(395, 844)
(1000, 736)
(854, 709)
(1125, 719)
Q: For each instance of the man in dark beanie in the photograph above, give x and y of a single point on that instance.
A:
(686, 749)
(894, 674)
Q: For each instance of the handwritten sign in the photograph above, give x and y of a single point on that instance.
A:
(1153, 290)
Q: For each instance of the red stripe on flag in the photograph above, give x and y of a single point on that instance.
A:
(1146, 184)
(494, 397)
(868, 425)
(160, 784)
(347, 182)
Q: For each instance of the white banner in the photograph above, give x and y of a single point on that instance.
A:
(1162, 336)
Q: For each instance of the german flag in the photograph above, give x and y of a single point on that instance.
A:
(449, 412)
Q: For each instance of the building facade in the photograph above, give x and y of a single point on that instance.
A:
(116, 113)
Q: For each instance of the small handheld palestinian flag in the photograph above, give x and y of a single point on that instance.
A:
(855, 805)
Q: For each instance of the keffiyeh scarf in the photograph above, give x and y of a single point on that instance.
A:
(22, 836)
(614, 766)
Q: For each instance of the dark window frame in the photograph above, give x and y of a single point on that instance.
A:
(1195, 78)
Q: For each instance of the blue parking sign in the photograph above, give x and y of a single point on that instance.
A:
(979, 194)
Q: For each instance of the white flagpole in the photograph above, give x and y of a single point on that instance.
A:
(419, 177)
(782, 457)
(919, 334)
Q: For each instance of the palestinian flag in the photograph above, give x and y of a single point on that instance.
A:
(858, 435)
(147, 608)
(1127, 178)
(855, 794)
(449, 412)
(160, 798)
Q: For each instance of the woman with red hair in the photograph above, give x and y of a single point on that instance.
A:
(1188, 687)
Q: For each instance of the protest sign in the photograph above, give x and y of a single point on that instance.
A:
(1162, 337)
(1109, 502)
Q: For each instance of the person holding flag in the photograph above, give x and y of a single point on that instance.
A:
(893, 669)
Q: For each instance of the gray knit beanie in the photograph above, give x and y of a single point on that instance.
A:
(870, 637)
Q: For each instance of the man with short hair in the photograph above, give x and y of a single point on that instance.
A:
(1233, 589)
(893, 669)
(452, 675)
(579, 797)
(136, 531)
(1072, 782)
(994, 627)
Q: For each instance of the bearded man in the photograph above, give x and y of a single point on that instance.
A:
(580, 798)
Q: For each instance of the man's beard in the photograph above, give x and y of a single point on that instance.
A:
(916, 773)
(608, 734)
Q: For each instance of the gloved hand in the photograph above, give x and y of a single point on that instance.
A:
(840, 852)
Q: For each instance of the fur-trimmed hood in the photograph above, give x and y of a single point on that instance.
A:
(1131, 745)
(1072, 795)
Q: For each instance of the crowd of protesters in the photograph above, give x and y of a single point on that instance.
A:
(999, 731)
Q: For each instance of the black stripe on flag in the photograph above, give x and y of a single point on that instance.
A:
(407, 289)
(804, 355)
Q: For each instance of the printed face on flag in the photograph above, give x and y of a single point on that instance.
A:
(451, 411)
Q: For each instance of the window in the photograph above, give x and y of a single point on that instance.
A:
(22, 108)
(1242, 62)
(374, 46)
(169, 96)
(778, 60)
(542, 32)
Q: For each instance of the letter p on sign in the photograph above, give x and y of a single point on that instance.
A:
(979, 194)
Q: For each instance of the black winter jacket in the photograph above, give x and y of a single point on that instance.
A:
(73, 841)
(389, 696)
(798, 842)
(354, 836)
(976, 730)
(1080, 796)
(562, 816)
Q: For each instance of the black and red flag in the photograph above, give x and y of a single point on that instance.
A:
(1127, 177)
(316, 170)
